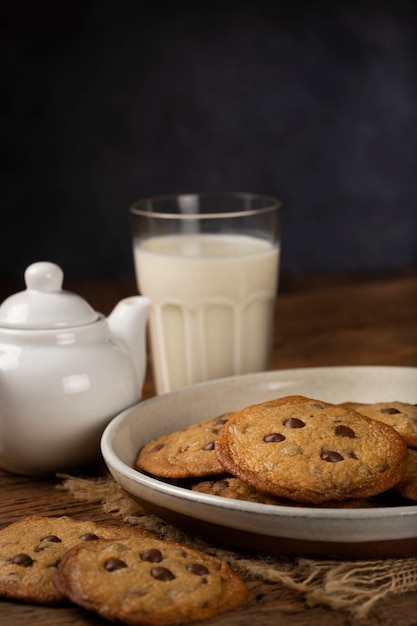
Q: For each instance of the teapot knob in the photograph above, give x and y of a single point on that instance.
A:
(44, 276)
(44, 304)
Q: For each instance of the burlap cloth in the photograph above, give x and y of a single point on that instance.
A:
(353, 586)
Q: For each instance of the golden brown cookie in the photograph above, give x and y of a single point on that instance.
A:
(311, 451)
(400, 415)
(148, 581)
(231, 487)
(184, 453)
(31, 549)
(407, 487)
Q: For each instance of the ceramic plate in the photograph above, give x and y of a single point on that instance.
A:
(299, 531)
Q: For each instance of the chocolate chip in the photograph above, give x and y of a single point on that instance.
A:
(23, 559)
(274, 438)
(344, 431)
(390, 410)
(89, 537)
(331, 456)
(52, 539)
(111, 565)
(162, 573)
(221, 420)
(152, 555)
(209, 446)
(294, 422)
(198, 569)
(46, 540)
(158, 447)
(221, 485)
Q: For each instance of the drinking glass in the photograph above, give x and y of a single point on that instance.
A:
(209, 262)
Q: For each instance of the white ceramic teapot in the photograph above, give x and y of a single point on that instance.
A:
(65, 372)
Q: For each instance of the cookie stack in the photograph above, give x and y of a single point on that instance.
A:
(295, 451)
(121, 573)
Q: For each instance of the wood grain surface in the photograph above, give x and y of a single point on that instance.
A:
(321, 320)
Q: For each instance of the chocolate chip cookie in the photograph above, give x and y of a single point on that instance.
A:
(232, 487)
(31, 549)
(147, 582)
(235, 488)
(311, 451)
(184, 453)
(400, 415)
(407, 487)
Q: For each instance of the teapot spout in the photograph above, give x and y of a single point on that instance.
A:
(127, 323)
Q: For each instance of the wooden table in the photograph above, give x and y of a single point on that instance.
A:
(320, 320)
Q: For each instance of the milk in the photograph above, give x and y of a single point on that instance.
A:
(212, 305)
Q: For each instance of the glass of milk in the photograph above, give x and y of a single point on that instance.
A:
(209, 262)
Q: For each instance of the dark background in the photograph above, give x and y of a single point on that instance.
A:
(107, 102)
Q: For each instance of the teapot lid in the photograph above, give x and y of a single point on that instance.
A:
(44, 305)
